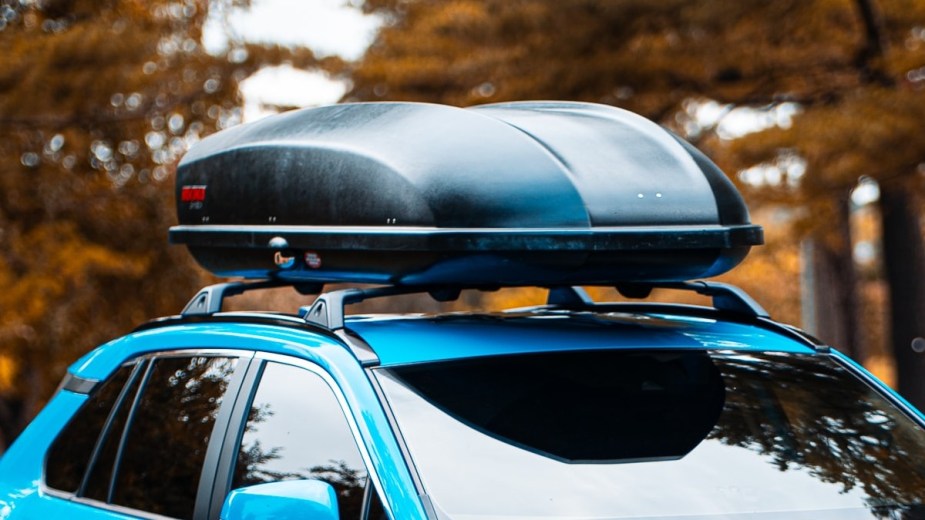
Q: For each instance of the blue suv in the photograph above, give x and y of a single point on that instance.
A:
(572, 409)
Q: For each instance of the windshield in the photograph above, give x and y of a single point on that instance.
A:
(664, 434)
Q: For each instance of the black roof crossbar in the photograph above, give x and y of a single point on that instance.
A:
(328, 309)
(725, 297)
(209, 300)
(569, 297)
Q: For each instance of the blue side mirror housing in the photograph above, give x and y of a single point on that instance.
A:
(314, 499)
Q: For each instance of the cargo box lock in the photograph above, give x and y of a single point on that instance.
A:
(281, 257)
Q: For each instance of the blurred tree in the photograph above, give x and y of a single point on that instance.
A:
(852, 70)
(98, 99)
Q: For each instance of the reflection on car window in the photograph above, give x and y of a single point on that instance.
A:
(68, 457)
(174, 415)
(588, 434)
(805, 416)
(99, 480)
(297, 430)
(623, 408)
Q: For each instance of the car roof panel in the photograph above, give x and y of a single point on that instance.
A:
(424, 339)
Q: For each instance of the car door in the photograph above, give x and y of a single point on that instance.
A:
(292, 423)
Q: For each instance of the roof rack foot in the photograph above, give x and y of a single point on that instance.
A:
(634, 290)
(566, 296)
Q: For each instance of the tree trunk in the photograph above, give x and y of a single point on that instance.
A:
(904, 263)
(834, 286)
(901, 235)
(17, 411)
(33, 396)
(9, 422)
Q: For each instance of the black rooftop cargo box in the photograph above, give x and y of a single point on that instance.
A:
(530, 193)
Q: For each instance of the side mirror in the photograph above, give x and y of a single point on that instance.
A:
(314, 499)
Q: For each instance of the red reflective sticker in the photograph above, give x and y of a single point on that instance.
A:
(193, 194)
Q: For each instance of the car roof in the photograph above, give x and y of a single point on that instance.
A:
(399, 340)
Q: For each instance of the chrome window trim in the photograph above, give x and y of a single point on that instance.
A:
(345, 408)
(243, 353)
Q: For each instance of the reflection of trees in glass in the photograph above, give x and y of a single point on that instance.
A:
(252, 466)
(307, 437)
(348, 483)
(804, 414)
(100, 475)
(584, 406)
(177, 411)
(68, 457)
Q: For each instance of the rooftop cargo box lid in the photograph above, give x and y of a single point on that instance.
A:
(530, 193)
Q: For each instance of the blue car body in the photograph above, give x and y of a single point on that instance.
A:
(396, 341)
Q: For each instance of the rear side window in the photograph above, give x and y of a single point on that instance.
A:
(99, 480)
(70, 453)
(168, 407)
(173, 416)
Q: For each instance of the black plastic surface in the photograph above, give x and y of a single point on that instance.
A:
(528, 193)
(79, 384)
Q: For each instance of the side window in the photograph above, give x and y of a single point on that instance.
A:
(70, 453)
(296, 429)
(98, 482)
(172, 417)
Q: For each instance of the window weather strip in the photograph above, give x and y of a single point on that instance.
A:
(104, 433)
(231, 442)
(212, 463)
(128, 426)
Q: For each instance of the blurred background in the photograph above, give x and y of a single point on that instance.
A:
(814, 108)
